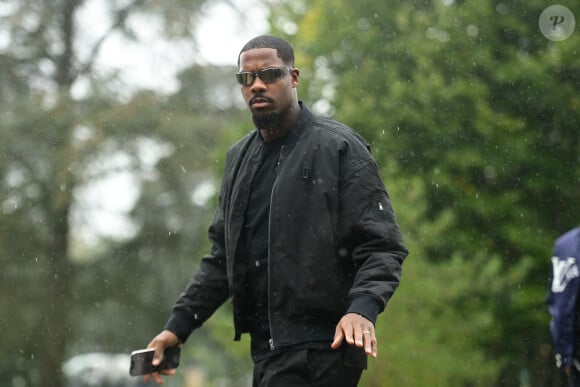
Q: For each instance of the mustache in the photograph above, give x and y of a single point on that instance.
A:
(259, 98)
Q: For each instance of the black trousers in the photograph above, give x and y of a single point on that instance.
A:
(311, 368)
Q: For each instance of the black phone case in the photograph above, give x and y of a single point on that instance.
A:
(141, 362)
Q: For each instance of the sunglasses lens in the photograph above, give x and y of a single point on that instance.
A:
(270, 75)
(245, 78)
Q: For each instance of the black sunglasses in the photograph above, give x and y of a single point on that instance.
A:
(247, 78)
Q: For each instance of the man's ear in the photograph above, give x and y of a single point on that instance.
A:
(295, 74)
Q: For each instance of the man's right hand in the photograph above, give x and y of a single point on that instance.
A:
(162, 341)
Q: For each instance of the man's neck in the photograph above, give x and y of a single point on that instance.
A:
(284, 126)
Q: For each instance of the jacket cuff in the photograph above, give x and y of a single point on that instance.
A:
(564, 361)
(180, 326)
(365, 305)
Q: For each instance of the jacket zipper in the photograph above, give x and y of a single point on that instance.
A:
(271, 340)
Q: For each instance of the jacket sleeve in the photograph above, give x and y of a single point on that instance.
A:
(376, 245)
(561, 300)
(208, 289)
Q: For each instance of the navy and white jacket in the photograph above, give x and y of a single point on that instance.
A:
(563, 297)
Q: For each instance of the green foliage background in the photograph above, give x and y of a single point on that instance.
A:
(474, 116)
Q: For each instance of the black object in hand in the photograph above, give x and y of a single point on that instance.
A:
(141, 361)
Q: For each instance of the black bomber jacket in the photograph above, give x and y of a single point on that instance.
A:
(334, 244)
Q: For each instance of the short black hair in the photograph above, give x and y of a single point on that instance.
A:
(282, 47)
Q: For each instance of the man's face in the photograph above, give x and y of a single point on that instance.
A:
(268, 101)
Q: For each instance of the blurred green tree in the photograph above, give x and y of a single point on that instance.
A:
(474, 116)
(66, 129)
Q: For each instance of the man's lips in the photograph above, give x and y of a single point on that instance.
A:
(259, 101)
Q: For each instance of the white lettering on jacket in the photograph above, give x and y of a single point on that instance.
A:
(565, 270)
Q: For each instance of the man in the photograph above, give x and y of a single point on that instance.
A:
(563, 304)
(304, 239)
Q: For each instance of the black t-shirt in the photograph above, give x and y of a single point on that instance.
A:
(254, 248)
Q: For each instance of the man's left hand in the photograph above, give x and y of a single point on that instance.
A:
(358, 331)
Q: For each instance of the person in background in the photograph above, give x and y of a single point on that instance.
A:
(304, 240)
(563, 303)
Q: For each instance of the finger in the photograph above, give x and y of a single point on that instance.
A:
(349, 334)
(368, 338)
(375, 344)
(158, 356)
(360, 337)
(159, 345)
(157, 378)
(338, 337)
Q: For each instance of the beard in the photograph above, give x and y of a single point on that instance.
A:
(266, 120)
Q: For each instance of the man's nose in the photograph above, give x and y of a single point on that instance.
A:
(257, 85)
